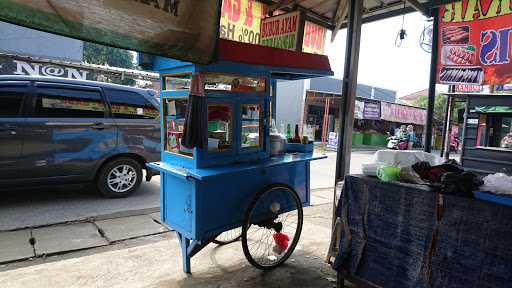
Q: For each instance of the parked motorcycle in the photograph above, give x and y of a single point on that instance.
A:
(396, 143)
(454, 144)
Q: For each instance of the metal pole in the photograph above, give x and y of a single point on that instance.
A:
(432, 83)
(348, 90)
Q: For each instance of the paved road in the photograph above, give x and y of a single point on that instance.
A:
(30, 208)
(27, 208)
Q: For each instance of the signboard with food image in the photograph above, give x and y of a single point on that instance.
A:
(475, 40)
(240, 20)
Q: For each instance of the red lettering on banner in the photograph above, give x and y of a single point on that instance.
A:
(231, 9)
(236, 10)
(248, 13)
(293, 23)
(226, 9)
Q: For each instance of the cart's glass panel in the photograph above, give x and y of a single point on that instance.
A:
(174, 110)
(252, 126)
(220, 127)
(178, 82)
(233, 83)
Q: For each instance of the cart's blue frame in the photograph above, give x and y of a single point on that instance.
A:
(207, 194)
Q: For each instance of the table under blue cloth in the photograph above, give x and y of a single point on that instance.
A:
(405, 235)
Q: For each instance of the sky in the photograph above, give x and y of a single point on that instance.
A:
(404, 69)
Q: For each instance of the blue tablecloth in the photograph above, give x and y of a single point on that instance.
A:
(404, 235)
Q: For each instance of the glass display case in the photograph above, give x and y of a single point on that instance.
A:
(174, 110)
(220, 123)
(176, 82)
(235, 117)
(252, 126)
(233, 83)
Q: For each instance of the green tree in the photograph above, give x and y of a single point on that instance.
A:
(105, 55)
(439, 108)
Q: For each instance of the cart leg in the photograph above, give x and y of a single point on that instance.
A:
(184, 243)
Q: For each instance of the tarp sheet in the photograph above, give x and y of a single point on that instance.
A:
(180, 29)
(394, 238)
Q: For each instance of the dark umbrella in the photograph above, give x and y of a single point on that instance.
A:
(195, 130)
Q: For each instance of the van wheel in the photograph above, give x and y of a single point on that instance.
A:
(119, 178)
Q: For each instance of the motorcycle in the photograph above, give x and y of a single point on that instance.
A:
(396, 143)
(454, 144)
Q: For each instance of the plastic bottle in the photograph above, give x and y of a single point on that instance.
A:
(289, 131)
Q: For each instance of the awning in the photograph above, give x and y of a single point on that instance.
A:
(492, 109)
(283, 64)
(332, 13)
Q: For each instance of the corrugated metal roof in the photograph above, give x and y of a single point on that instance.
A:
(332, 13)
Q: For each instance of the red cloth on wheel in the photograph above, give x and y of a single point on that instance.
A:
(281, 240)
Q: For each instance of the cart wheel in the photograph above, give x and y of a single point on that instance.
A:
(272, 226)
(228, 237)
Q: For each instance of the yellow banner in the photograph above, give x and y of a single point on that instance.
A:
(240, 20)
(314, 38)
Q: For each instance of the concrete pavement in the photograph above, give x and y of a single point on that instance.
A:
(158, 264)
(65, 238)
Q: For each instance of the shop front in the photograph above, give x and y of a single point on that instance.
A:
(487, 142)
(374, 120)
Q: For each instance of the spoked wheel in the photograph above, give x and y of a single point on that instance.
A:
(272, 226)
(227, 237)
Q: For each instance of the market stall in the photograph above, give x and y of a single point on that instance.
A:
(221, 168)
(418, 222)
(486, 147)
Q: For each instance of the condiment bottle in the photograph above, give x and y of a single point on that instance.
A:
(296, 138)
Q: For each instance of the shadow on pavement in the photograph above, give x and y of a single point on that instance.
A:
(301, 270)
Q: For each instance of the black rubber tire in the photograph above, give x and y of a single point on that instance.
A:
(101, 179)
(245, 226)
(218, 241)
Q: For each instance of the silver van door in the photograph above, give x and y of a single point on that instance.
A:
(67, 132)
(137, 120)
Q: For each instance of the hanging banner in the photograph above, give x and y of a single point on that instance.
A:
(169, 28)
(240, 20)
(314, 38)
(371, 111)
(402, 114)
(358, 109)
(14, 66)
(282, 31)
(475, 40)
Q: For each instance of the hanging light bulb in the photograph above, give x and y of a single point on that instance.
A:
(400, 37)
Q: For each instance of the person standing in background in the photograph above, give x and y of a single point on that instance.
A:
(411, 136)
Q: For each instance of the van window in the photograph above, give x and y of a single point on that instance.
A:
(68, 103)
(11, 99)
(130, 105)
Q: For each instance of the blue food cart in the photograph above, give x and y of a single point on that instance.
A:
(233, 183)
